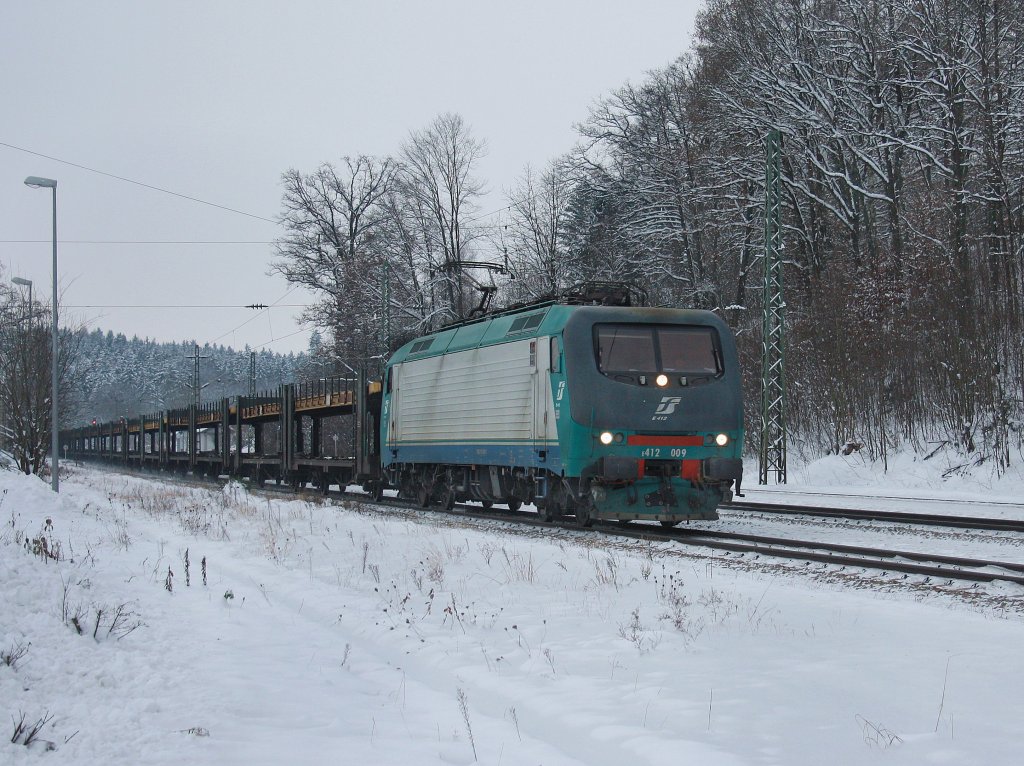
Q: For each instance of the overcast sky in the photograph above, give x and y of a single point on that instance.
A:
(214, 100)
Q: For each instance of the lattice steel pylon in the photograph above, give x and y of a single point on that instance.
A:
(772, 457)
(385, 305)
(196, 388)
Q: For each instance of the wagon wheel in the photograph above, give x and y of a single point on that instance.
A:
(487, 504)
(376, 491)
(669, 524)
(514, 504)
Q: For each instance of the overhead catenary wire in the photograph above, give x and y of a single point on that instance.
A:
(282, 337)
(180, 195)
(160, 189)
(257, 315)
(139, 242)
(175, 306)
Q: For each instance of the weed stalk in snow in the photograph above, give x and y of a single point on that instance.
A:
(464, 707)
(876, 735)
(515, 720)
(942, 699)
(11, 657)
(43, 545)
(28, 733)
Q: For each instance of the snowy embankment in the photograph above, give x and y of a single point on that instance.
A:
(316, 634)
(940, 485)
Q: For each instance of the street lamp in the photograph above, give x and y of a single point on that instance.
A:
(48, 183)
(26, 283)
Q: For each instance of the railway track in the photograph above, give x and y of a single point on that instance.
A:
(908, 562)
(836, 554)
(789, 493)
(898, 517)
(927, 565)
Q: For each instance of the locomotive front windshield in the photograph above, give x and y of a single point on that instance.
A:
(628, 349)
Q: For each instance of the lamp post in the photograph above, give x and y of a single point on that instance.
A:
(26, 283)
(48, 183)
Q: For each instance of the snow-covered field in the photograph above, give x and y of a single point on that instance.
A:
(349, 635)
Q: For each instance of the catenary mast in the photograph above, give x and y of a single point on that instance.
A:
(772, 456)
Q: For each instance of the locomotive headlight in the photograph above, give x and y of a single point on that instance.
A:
(722, 439)
(661, 380)
(606, 437)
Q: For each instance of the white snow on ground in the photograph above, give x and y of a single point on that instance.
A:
(331, 635)
(939, 485)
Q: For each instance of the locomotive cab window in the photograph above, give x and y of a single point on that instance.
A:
(686, 350)
(634, 351)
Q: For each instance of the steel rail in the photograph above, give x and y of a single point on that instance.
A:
(903, 498)
(859, 556)
(898, 517)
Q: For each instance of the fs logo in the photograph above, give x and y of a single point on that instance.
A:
(667, 407)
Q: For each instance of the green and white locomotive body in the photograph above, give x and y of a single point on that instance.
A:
(602, 412)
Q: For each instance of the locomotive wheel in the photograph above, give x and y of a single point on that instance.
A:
(407, 488)
(487, 504)
(584, 516)
(423, 495)
(514, 504)
(669, 524)
(547, 512)
(377, 490)
(448, 498)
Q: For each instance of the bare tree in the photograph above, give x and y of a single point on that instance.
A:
(534, 236)
(438, 165)
(26, 351)
(332, 219)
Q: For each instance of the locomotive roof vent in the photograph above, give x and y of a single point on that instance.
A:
(525, 324)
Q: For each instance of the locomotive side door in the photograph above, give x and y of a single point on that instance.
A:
(389, 409)
(540, 356)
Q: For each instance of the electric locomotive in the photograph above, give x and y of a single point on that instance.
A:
(599, 411)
